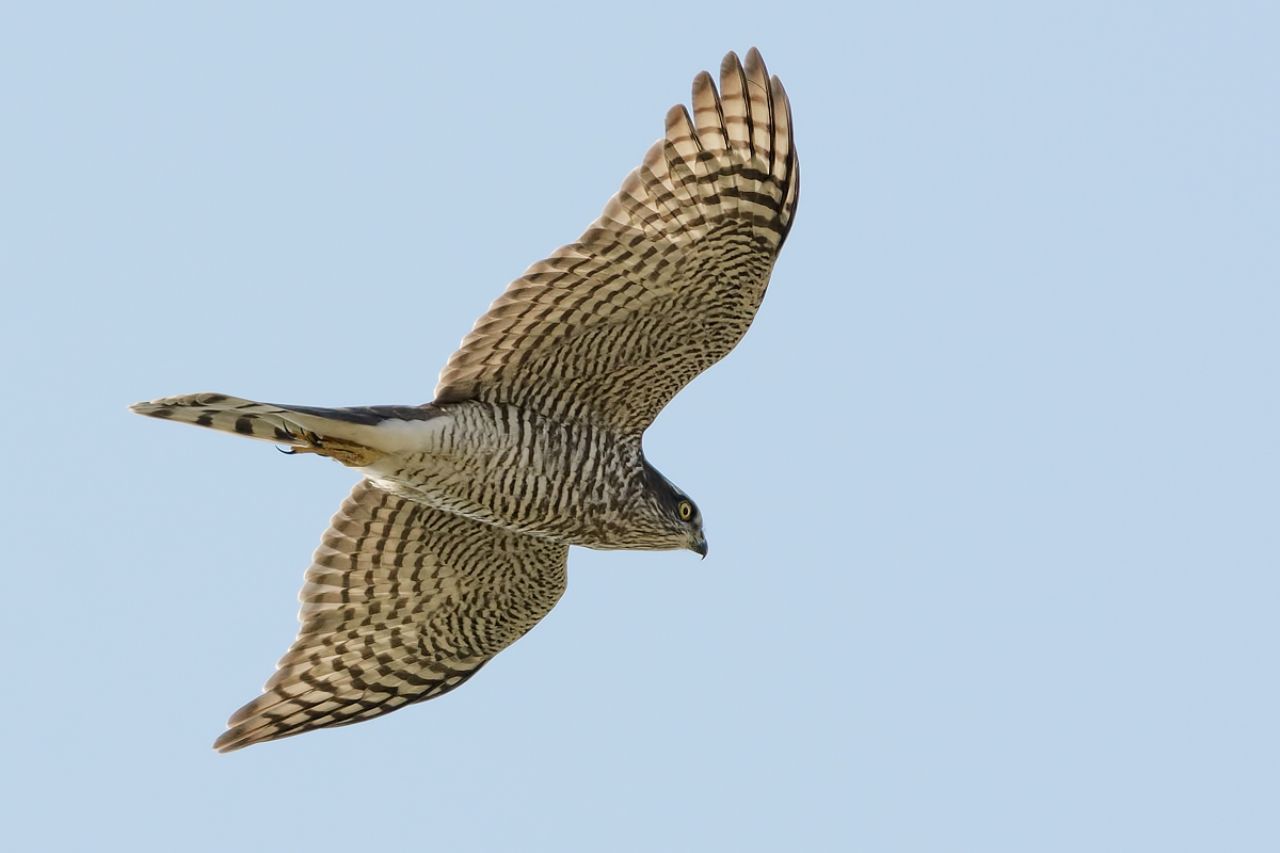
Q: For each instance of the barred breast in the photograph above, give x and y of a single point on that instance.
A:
(508, 466)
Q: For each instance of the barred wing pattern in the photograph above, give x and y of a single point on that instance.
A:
(402, 603)
(664, 283)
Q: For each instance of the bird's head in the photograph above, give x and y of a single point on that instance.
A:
(672, 516)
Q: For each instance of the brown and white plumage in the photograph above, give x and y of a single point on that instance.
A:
(402, 603)
(664, 283)
(455, 543)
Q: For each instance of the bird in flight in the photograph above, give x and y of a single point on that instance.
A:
(455, 541)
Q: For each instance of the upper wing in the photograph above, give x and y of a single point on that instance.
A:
(667, 280)
(401, 603)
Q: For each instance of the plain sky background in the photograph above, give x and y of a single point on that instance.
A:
(991, 486)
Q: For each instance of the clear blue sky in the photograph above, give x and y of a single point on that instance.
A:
(992, 486)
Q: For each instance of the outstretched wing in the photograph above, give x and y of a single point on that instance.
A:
(402, 603)
(608, 329)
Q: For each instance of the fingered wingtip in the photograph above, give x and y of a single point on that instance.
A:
(237, 736)
(749, 60)
(224, 744)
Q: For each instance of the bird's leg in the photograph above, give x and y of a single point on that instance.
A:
(347, 452)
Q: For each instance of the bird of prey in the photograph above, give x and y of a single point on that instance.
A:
(455, 541)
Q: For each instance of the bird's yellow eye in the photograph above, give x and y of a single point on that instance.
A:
(686, 510)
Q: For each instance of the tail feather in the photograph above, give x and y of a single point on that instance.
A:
(229, 414)
(343, 434)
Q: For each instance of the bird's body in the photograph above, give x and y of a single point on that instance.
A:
(507, 465)
(455, 541)
(499, 463)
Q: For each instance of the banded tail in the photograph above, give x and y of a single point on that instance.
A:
(347, 435)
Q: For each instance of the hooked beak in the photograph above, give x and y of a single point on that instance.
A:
(700, 546)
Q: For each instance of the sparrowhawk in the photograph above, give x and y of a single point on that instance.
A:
(455, 541)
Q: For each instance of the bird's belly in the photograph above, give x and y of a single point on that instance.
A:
(516, 470)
